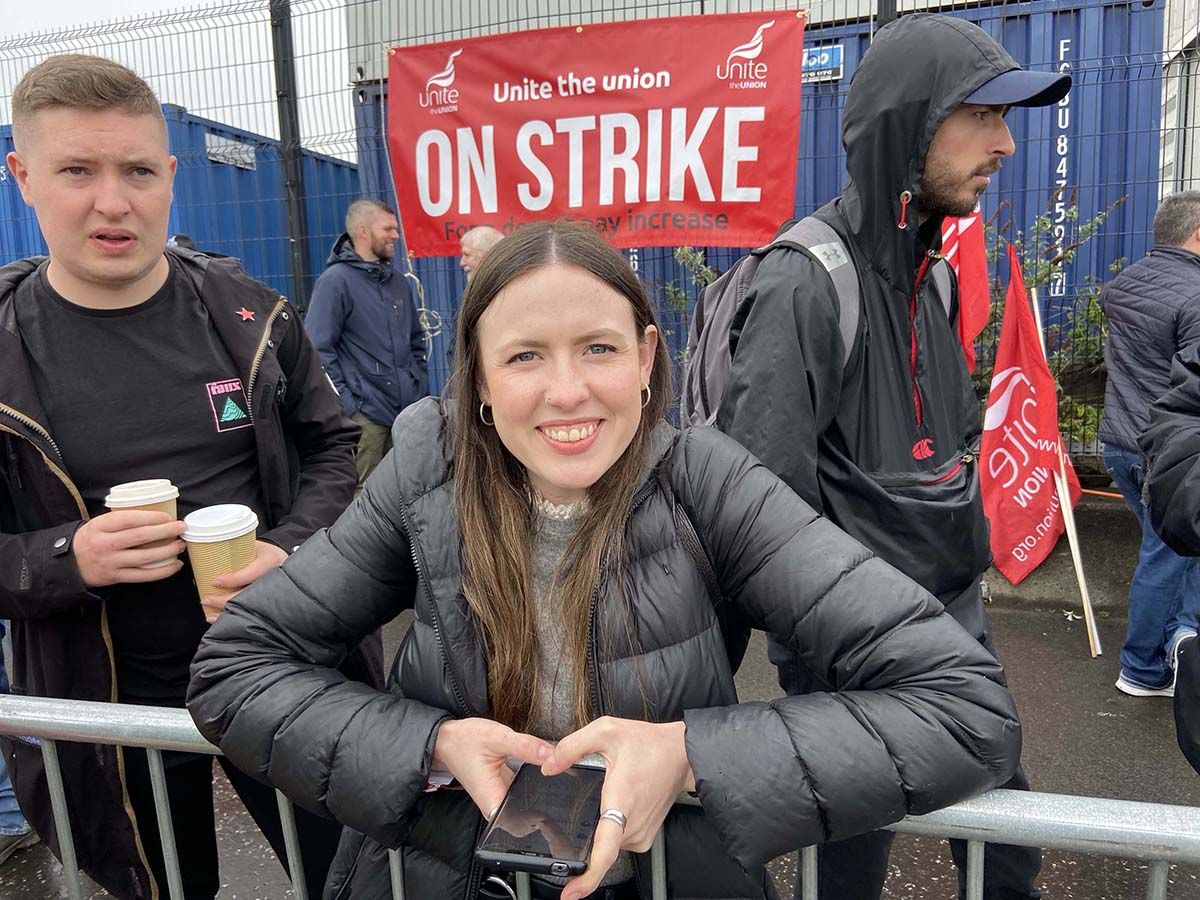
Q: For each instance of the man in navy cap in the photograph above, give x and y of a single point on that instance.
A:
(882, 436)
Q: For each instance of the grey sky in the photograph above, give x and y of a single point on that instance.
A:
(217, 66)
(24, 17)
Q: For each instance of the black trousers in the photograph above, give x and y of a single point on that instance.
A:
(855, 869)
(190, 790)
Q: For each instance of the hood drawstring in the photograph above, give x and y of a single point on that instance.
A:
(905, 196)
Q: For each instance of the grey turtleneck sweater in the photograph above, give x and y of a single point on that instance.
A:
(554, 711)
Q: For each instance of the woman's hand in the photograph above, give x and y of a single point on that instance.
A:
(647, 769)
(476, 752)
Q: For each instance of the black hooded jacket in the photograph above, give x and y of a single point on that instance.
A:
(61, 641)
(886, 445)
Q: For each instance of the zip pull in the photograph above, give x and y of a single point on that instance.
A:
(905, 196)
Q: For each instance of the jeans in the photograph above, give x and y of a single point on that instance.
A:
(1164, 595)
(11, 820)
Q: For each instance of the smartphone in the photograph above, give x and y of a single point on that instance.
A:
(545, 824)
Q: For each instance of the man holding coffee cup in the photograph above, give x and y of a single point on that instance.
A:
(140, 385)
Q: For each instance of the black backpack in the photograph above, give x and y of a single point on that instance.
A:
(706, 371)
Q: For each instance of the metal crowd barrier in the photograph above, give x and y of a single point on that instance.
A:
(1152, 832)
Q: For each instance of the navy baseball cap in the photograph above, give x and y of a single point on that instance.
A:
(1019, 87)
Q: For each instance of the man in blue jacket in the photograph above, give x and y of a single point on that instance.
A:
(1153, 311)
(365, 326)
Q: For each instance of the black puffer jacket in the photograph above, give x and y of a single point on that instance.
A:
(885, 446)
(1153, 312)
(920, 719)
(1171, 447)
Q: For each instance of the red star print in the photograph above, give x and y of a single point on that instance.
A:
(246, 314)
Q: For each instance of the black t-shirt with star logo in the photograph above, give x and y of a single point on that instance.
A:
(145, 392)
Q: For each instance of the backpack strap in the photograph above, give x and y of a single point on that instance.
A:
(817, 240)
(940, 273)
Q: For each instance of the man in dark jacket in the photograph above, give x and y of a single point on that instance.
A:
(123, 362)
(365, 326)
(1153, 310)
(1171, 448)
(885, 444)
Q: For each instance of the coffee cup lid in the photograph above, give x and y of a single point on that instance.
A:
(140, 493)
(219, 523)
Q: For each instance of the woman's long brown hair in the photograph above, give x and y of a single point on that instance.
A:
(493, 498)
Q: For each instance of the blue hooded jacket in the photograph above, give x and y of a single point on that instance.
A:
(364, 324)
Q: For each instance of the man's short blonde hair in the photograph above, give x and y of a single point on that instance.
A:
(79, 81)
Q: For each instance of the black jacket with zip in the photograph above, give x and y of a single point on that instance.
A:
(920, 716)
(59, 626)
(886, 445)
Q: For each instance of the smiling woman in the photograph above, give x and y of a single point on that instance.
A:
(563, 549)
(563, 366)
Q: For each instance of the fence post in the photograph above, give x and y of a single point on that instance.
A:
(1157, 887)
(885, 11)
(291, 844)
(286, 93)
(62, 818)
(808, 872)
(166, 827)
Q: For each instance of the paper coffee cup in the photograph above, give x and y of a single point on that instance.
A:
(220, 540)
(152, 494)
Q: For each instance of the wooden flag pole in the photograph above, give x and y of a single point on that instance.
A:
(1064, 501)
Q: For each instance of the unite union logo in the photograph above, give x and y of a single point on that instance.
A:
(440, 95)
(740, 68)
(1008, 381)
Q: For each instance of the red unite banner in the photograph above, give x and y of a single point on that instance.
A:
(661, 132)
(1021, 443)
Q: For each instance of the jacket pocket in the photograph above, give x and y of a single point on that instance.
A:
(929, 525)
(939, 485)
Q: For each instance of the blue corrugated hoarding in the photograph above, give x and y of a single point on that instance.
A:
(1099, 146)
(229, 198)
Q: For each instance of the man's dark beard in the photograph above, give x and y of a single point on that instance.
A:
(932, 200)
(383, 251)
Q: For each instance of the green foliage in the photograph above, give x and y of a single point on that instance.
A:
(699, 274)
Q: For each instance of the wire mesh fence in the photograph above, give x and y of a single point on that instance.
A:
(271, 186)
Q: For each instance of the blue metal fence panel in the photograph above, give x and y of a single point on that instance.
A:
(229, 198)
(19, 234)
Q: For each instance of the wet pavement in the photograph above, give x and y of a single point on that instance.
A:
(1081, 737)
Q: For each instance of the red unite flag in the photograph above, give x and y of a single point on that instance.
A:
(1022, 443)
(962, 245)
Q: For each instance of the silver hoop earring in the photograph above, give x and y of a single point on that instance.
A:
(482, 407)
(646, 402)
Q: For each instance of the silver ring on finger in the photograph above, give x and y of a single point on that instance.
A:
(615, 815)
